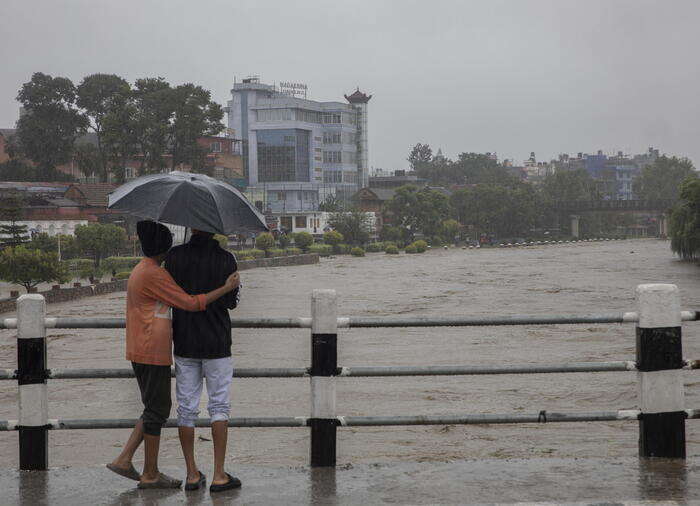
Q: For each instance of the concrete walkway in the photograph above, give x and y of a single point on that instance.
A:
(582, 481)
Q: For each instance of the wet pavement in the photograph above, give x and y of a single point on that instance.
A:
(553, 480)
(580, 278)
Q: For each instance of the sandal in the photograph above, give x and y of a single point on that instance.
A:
(232, 483)
(200, 483)
(163, 481)
(130, 473)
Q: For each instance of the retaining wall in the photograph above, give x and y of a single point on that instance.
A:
(78, 292)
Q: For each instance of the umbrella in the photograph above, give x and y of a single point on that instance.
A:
(191, 200)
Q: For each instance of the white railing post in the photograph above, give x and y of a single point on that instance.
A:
(659, 381)
(31, 378)
(324, 367)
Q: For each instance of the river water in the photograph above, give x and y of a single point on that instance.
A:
(577, 278)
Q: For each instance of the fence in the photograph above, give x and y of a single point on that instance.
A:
(659, 362)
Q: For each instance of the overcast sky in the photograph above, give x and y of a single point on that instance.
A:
(510, 76)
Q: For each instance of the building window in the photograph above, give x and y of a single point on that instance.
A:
(332, 118)
(129, 173)
(286, 223)
(283, 155)
(331, 137)
(349, 157)
(300, 222)
(215, 147)
(332, 176)
(265, 115)
(307, 116)
(331, 157)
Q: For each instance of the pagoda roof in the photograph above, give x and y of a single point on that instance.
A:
(358, 97)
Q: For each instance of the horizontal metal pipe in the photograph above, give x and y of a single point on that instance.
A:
(8, 323)
(128, 423)
(690, 316)
(447, 370)
(388, 321)
(541, 417)
(266, 372)
(120, 323)
(7, 374)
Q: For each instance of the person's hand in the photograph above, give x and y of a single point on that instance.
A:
(233, 281)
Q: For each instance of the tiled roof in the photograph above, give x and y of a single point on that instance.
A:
(96, 194)
(382, 194)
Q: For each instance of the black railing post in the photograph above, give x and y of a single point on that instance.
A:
(31, 378)
(324, 365)
(659, 362)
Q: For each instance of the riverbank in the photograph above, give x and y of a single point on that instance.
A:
(64, 294)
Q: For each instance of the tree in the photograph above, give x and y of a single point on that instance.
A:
(303, 240)
(420, 157)
(331, 204)
(353, 226)
(120, 136)
(28, 268)
(47, 130)
(685, 221)
(101, 96)
(99, 240)
(333, 237)
(16, 169)
(195, 116)
(154, 108)
(11, 211)
(87, 158)
(569, 186)
(662, 179)
(418, 210)
(449, 230)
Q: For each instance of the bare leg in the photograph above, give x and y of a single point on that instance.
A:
(219, 433)
(150, 465)
(187, 442)
(126, 456)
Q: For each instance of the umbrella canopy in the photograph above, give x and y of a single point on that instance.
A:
(191, 200)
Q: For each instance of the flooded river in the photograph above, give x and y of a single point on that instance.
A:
(580, 278)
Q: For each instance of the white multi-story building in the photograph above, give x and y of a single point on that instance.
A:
(298, 153)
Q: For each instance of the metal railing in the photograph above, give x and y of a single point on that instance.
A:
(661, 416)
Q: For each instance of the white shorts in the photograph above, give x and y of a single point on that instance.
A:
(189, 373)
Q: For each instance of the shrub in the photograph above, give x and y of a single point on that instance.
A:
(375, 247)
(265, 241)
(119, 264)
(411, 248)
(357, 252)
(254, 253)
(284, 240)
(293, 251)
(222, 239)
(303, 240)
(391, 250)
(123, 275)
(275, 252)
(342, 249)
(421, 246)
(248, 257)
(323, 250)
(332, 237)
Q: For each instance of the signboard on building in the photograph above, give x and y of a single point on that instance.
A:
(297, 90)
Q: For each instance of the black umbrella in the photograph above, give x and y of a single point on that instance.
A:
(191, 200)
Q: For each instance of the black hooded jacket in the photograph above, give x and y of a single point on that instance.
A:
(200, 266)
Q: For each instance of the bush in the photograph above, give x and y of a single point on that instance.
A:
(421, 246)
(265, 241)
(254, 253)
(119, 264)
(323, 250)
(332, 237)
(275, 252)
(375, 247)
(248, 257)
(357, 252)
(342, 249)
(123, 275)
(303, 240)
(391, 249)
(411, 248)
(222, 239)
(284, 240)
(293, 251)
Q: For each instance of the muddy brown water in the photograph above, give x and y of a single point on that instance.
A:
(580, 278)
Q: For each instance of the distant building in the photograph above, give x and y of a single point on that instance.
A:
(299, 152)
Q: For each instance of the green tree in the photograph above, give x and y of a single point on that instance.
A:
(303, 240)
(331, 204)
(43, 242)
(47, 130)
(353, 226)
(449, 230)
(265, 241)
(662, 179)
(120, 135)
(569, 186)
(420, 157)
(684, 226)
(418, 210)
(28, 268)
(11, 211)
(16, 169)
(99, 241)
(87, 158)
(100, 96)
(154, 109)
(195, 116)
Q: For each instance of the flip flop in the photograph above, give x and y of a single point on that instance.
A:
(232, 483)
(201, 482)
(130, 473)
(163, 481)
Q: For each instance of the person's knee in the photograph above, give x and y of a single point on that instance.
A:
(187, 414)
(219, 411)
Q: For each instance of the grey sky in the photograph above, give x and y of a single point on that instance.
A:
(512, 76)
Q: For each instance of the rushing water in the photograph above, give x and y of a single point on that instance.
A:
(580, 278)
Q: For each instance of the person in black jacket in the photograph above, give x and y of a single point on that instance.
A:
(202, 350)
